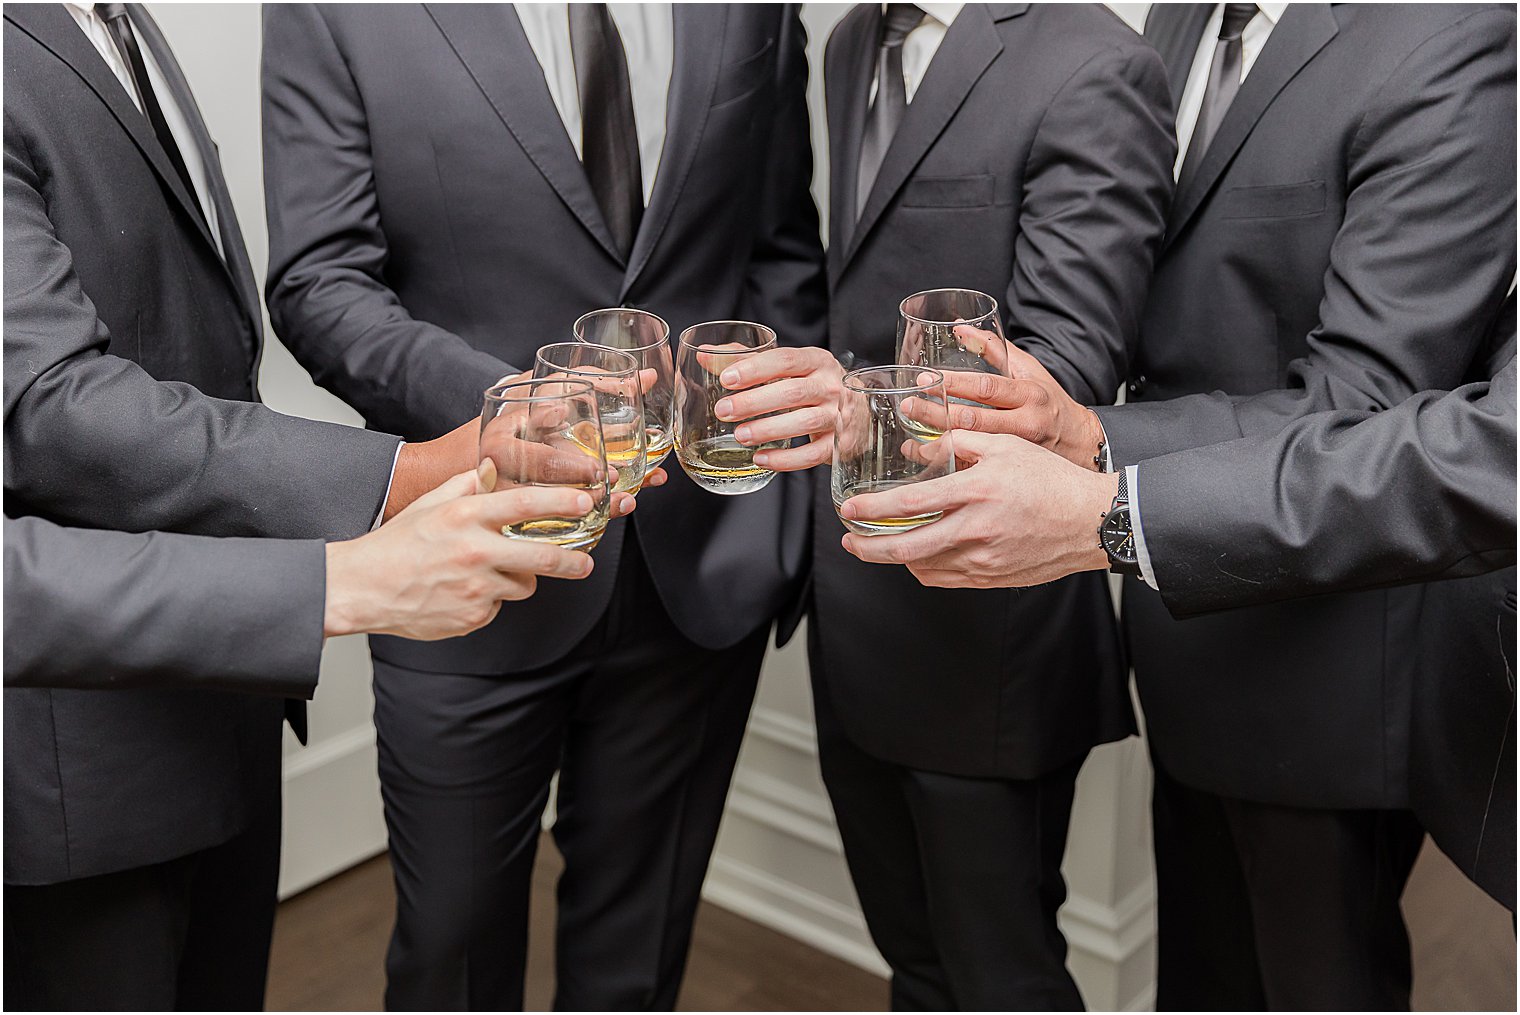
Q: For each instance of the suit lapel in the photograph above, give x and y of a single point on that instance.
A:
(1174, 29)
(489, 41)
(54, 28)
(847, 92)
(235, 253)
(699, 39)
(969, 48)
(1303, 32)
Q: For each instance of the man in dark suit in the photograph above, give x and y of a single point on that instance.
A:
(142, 827)
(1025, 151)
(449, 188)
(1342, 237)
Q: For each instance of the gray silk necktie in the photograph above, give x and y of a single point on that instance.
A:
(1224, 82)
(891, 100)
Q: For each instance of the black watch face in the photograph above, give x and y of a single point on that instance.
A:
(1117, 536)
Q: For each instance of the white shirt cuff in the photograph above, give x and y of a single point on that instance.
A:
(1132, 485)
(380, 515)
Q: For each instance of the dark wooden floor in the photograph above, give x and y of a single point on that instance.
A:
(329, 948)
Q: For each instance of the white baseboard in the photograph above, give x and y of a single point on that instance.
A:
(332, 801)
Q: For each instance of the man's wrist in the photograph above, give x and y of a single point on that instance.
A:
(342, 613)
(1099, 491)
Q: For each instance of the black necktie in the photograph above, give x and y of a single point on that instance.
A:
(609, 140)
(1224, 82)
(891, 100)
(120, 26)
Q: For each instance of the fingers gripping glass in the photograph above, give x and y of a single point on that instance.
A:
(953, 330)
(619, 386)
(547, 433)
(705, 445)
(879, 446)
(647, 338)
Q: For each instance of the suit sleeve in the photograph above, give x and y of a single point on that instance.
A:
(1425, 252)
(327, 293)
(1096, 190)
(1338, 501)
(92, 439)
(786, 287)
(93, 609)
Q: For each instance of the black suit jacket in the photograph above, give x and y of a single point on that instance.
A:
(431, 227)
(1034, 164)
(120, 320)
(1347, 242)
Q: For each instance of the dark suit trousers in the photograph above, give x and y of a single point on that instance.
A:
(644, 729)
(190, 934)
(1284, 908)
(959, 878)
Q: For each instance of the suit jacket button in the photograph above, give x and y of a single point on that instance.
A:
(1137, 386)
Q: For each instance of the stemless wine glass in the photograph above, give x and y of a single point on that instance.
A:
(619, 402)
(705, 445)
(956, 330)
(546, 432)
(878, 446)
(646, 338)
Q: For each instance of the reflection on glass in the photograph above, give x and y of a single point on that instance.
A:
(646, 338)
(619, 401)
(546, 432)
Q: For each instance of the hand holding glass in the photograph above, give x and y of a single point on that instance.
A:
(957, 330)
(705, 445)
(547, 432)
(879, 446)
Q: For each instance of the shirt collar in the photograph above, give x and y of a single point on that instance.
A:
(1273, 12)
(943, 13)
(82, 8)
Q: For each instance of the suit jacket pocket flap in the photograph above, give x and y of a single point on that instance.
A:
(1278, 201)
(949, 191)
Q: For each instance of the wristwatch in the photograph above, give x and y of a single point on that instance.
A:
(1117, 536)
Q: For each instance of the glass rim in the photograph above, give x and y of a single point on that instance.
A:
(902, 306)
(497, 391)
(851, 375)
(630, 370)
(765, 328)
(575, 329)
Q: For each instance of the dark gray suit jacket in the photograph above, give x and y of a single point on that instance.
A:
(1346, 244)
(95, 610)
(1338, 501)
(1034, 164)
(431, 227)
(131, 350)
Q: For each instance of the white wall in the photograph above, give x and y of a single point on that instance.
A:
(778, 857)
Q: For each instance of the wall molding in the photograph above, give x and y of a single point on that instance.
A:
(332, 813)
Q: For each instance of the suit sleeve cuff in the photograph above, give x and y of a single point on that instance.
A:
(380, 514)
(1132, 484)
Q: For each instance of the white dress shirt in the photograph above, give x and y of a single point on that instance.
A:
(1252, 40)
(648, 34)
(96, 31)
(921, 45)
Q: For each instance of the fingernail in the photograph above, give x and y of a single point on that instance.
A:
(761, 458)
(729, 377)
(724, 408)
(742, 434)
(848, 509)
(583, 502)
